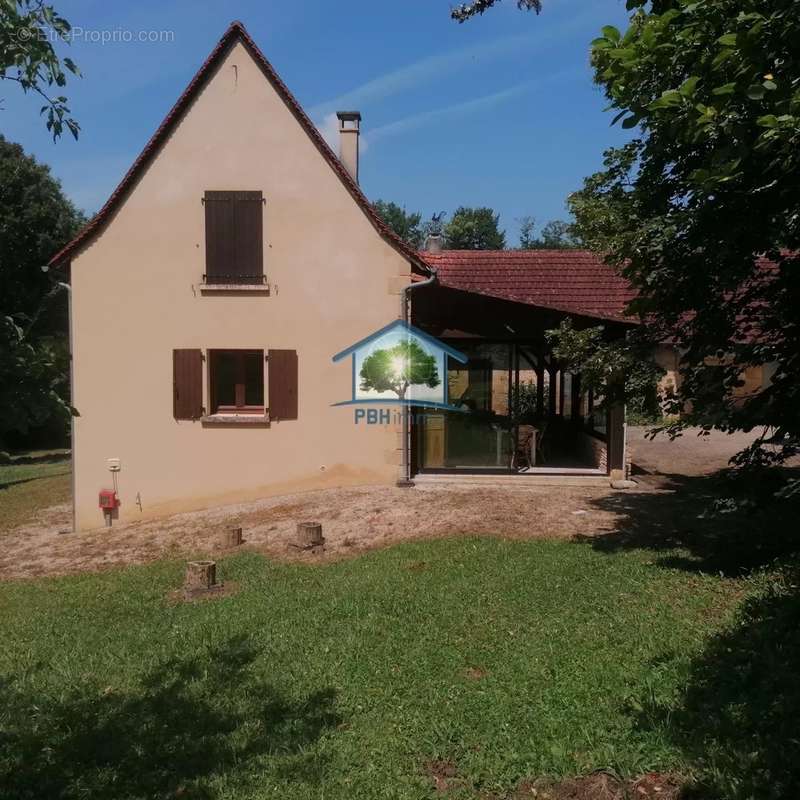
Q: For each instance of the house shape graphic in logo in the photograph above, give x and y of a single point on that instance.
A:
(400, 365)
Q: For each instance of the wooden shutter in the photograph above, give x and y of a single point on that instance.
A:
(234, 237)
(220, 236)
(282, 384)
(187, 384)
(249, 261)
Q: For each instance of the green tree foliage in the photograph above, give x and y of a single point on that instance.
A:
(525, 402)
(396, 368)
(527, 233)
(474, 229)
(618, 372)
(710, 183)
(465, 11)
(407, 225)
(555, 235)
(35, 221)
(602, 206)
(28, 29)
(33, 380)
(559, 235)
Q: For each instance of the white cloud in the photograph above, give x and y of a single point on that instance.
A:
(329, 128)
(433, 68)
(465, 108)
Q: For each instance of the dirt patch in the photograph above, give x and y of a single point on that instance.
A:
(353, 520)
(443, 775)
(603, 786)
(475, 673)
(221, 590)
(362, 518)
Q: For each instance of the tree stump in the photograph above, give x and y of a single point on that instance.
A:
(201, 576)
(232, 537)
(309, 536)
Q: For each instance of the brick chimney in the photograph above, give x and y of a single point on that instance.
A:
(349, 131)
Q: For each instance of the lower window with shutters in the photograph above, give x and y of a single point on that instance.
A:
(236, 382)
(187, 383)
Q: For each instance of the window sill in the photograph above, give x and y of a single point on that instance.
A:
(235, 420)
(234, 288)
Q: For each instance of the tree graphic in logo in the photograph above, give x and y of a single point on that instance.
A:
(396, 368)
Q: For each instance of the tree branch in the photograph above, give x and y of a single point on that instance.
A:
(468, 10)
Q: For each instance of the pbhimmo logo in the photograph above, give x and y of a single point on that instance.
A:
(400, 365)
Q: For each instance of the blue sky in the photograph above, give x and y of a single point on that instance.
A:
(500, 111)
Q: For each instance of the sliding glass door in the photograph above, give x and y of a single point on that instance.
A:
(478, 436)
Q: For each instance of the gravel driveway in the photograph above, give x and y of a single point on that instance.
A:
(690, 454)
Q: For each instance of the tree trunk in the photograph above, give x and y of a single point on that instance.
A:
(200, 576)
(309, 536)
(232, 537)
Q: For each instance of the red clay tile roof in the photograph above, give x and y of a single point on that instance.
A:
(572, 281)
(235, 32)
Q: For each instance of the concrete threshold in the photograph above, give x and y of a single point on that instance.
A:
(521, 481)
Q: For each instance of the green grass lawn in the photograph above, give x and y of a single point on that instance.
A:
(509, 660)
(31, 482)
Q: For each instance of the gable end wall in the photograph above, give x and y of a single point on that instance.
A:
(136, 297)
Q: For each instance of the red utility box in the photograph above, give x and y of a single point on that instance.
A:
(108, 499)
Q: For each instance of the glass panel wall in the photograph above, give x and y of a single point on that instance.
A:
(478, 435)
(517, 411)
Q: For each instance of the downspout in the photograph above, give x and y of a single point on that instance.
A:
(72, 449)
(405, 469)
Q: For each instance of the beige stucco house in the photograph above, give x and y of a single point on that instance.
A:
(145, 309)
(210, 292)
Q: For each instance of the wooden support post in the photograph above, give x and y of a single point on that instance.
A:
(514, 404)
(615, 438)
(540, 384)
(551, 395)
(414, 433)
(576, 397)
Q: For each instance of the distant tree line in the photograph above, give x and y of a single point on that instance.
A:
(475, 229)
(554, 235)
(36, 219)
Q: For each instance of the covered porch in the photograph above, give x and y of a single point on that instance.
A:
(520, 412)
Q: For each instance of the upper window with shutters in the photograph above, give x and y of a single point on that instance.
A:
(234, 241)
